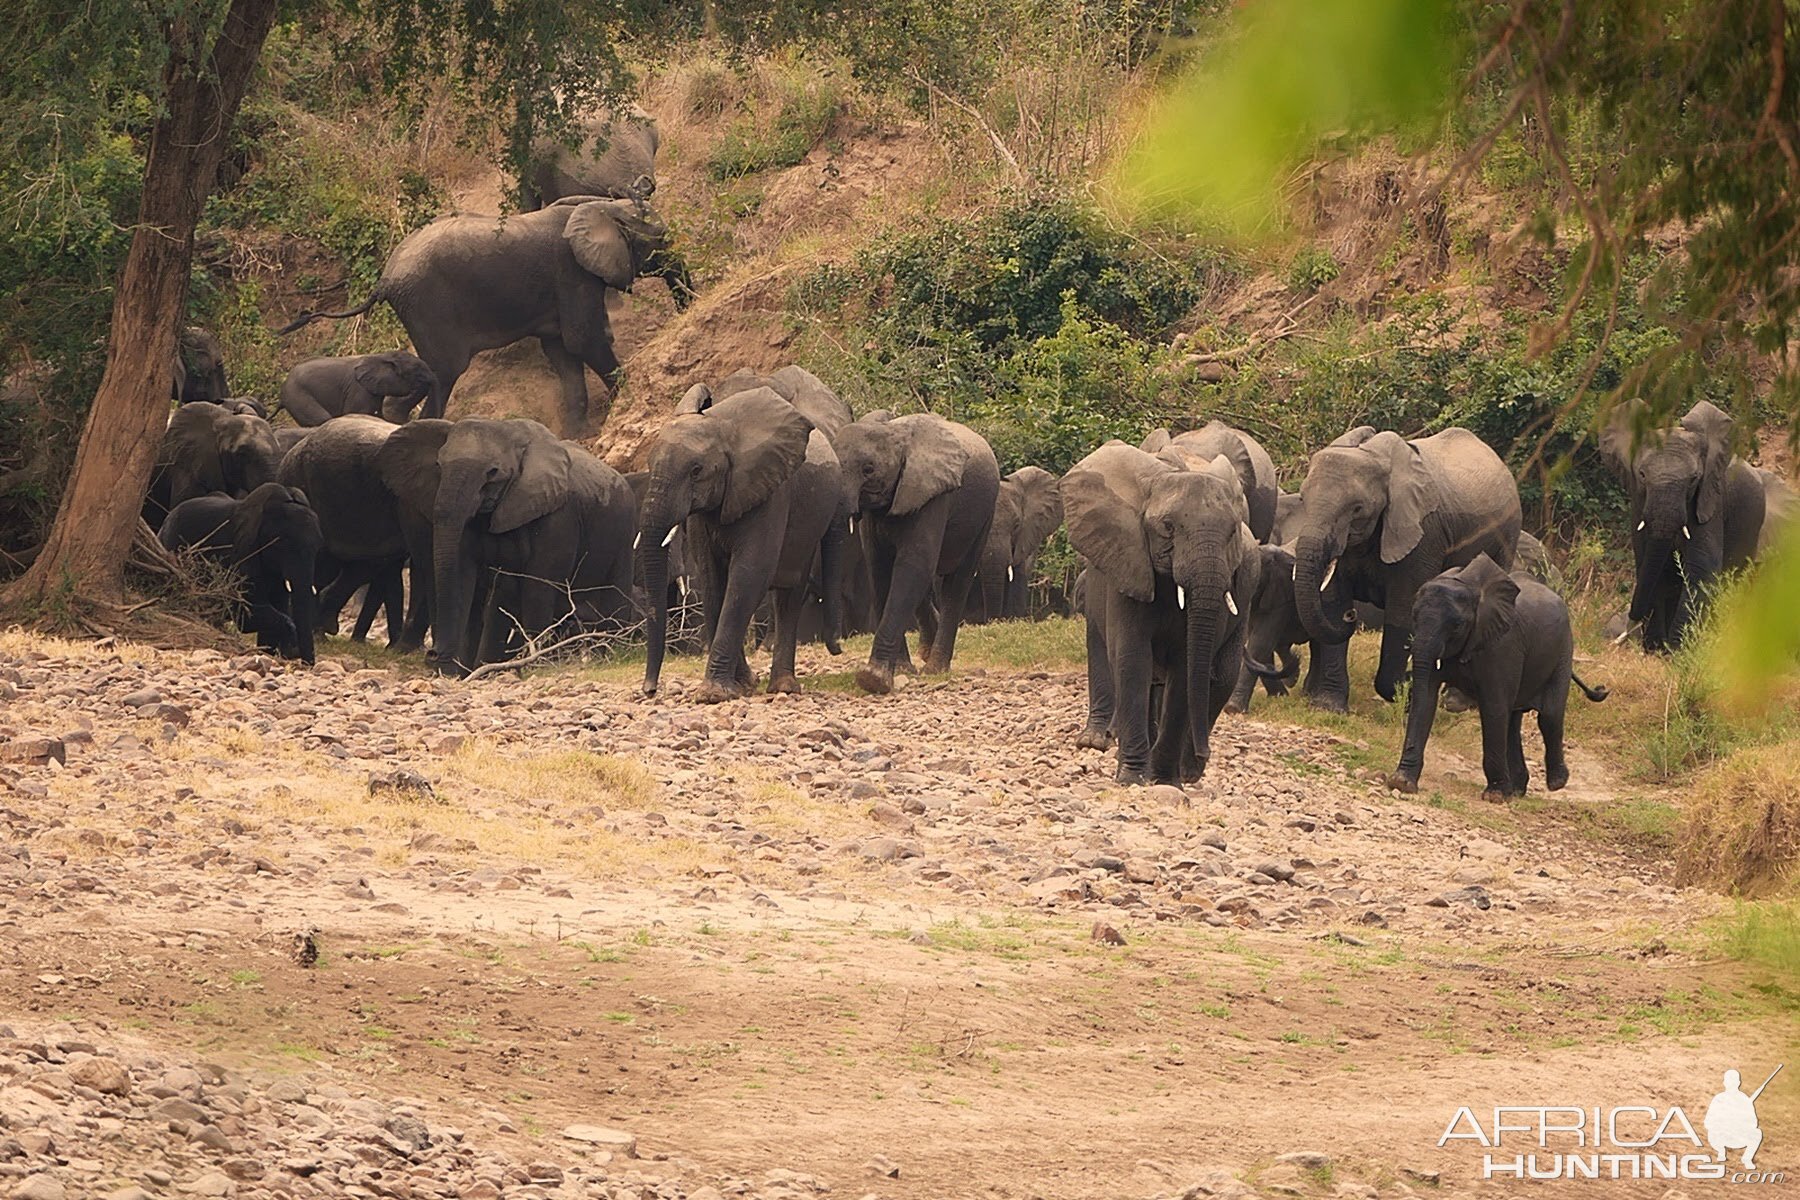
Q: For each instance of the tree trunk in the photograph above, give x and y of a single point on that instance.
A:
(202, 87)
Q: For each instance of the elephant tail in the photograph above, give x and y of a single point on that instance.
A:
(1596, 694)
(308, 317)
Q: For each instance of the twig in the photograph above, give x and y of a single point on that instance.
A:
(974, 114)
(1282, 327)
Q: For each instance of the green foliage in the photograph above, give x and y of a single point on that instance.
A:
(1311, 268)
(779, 129)
(1033, 321)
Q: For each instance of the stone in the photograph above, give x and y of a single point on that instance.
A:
(213, 1183)
(883, 1166)
(130, 1192)
(104, 1075)
(35, 752)
(141, 698)
(1106, 935)
(1306, 1160)
(39, 1187)
(177, 1109)
(618, 1141)
(174, 715)
(401, 782)
(1166, 793)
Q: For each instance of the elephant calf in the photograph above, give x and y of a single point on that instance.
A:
(1505, 640)
(210, 448)
(271, 539)
(387, 385)
(1027, 511)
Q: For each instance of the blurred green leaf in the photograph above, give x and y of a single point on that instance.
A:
(1759, 628)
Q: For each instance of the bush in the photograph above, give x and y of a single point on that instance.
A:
(1741, 831)
(778, 129)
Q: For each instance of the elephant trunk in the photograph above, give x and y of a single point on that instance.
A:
(1018, 586)
(1205, 599)
(831, 582)
(299, 568)
(453, 581)
(993, 586)
(1655, 551)
(1317, 591)
(656, 529)
(1421, 706)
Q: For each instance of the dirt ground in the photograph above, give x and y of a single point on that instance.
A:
(915, 946)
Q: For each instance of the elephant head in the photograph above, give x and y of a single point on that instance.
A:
(276, 528)
(894, 467)
(398, 379)
(726, 459)
(1455, 615)
(199, 368)
(1274, 624)
(493, 478)
(211, 448)
(1367, 491)
(1138, 520)
(1026, 512)
(612, 239)
(1676, 479)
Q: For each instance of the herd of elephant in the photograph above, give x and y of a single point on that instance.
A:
(1201, 576)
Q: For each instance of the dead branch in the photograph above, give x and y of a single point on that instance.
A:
(1282, 327)
(974, 114)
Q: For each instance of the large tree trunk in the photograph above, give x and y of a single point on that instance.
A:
(202, 89)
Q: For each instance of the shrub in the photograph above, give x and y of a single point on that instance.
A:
(1741, 830)
(1311, 269)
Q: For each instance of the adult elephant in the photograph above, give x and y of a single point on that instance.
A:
(465, 284)
(757, 488)
(1169, 553)
(526, 532)
(337, 466)
(386, 385)
(210, 448)
(1255, 469)
(614, 157)
(924, 489)
(270, 539)
(199, 368)
(1696, 511)
(1382, 515)
(1026, 512)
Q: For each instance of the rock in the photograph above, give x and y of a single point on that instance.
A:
(887, 849)
(1424, 1175)
(401, 783)
(39, 1187)
(1106, 934)
(616, 1140)
(545, 1172)
(102, 1074)
(1476, 896)
(131, 1192)
(174, 715)
(1166, 793)
(883, 1166)
(213, 1183)
(212, 1137)
(360, 890)
(1275, 870)
(35, 752)
(141, 698)
(1306, 1160)
(177, 1109)
(444, 743)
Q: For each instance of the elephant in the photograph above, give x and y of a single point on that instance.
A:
(1256, 470)
(199, 369)
(1027, 511)
(757, 488)
(271, 539)
(289, 436)
(210, 448)
(1504, 640)
(924, 490)
(1380, 516)
(1169, 552)
(1779, 506)
(468, 283)
(1696, 511)
(386, 385)
(525, 532)
(336, 465)
(615, 159)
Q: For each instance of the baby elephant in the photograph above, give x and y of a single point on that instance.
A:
(1505, 641)
(270, 539)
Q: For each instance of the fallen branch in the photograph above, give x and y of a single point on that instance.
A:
(1282, 327)
(974, 114)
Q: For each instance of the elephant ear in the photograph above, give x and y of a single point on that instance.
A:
(541, 486)
(599, 245)
(378, 375)
(1103, 501)
(1352, 438)
(1616, 437)
(1713, 427)
(1496, 604)
(934, 462)
(247, 521)
(765, 439)
(1041, 511)
(407, 461)
(697, 399)
(1221, 468)
(1408, 495)
(1155, 440)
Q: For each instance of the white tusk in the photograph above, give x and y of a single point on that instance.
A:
(1438, 665)
(637, 541)
(670, 536)
(1641, 525)
(1330, 574)
(1684, 532)
(852, 524)
(681, 586)
(1231, 604)
(1180, 596)
(1009, 573)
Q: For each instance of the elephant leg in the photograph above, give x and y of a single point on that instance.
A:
(374, 596)
(956, 588)
(1239, 701)
(1496, 725)
(572, 380)
(789, 603)
(1327, 684)
(726, 667)
(393, 589)
(1098, 733)
(927, 620)
(1516, 770)
(1131, 721)
(1396, 647)
(446, 359)
(1166, 752)
(1550, 728)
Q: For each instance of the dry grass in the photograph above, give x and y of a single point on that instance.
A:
(561, 778)
(1741, 829)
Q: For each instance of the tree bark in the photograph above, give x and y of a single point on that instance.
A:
(84, 555)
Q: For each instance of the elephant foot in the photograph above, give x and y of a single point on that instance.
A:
(1237, 707)
(905, 667)
(1407, 784)
(712, 692)
(1388, 692)
(1128, 777)
(1557, 780)
(1093, 739)
(934, 667)
(1192, 772)
(784, 685)
(1495, 795)
(875, 680)
(1457, 701)
(833, 647)
(1330, 704)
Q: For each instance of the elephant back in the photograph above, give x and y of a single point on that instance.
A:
(616, 157)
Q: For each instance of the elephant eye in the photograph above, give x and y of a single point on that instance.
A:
(493, 472)
(868, 468)
(695, 471)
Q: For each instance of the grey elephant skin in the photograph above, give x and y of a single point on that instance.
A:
(1169, 552)
(1696, 511)
(386, 385)
(1026, 512)
(468, 283)
(1382, 515)
(1504, 640)
(924, 489)
(337, 466)
(199, 368)
(614, 157)
(522, 532)
(270, 538)
(757, 488)
(1255, 469)
(210, 448)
